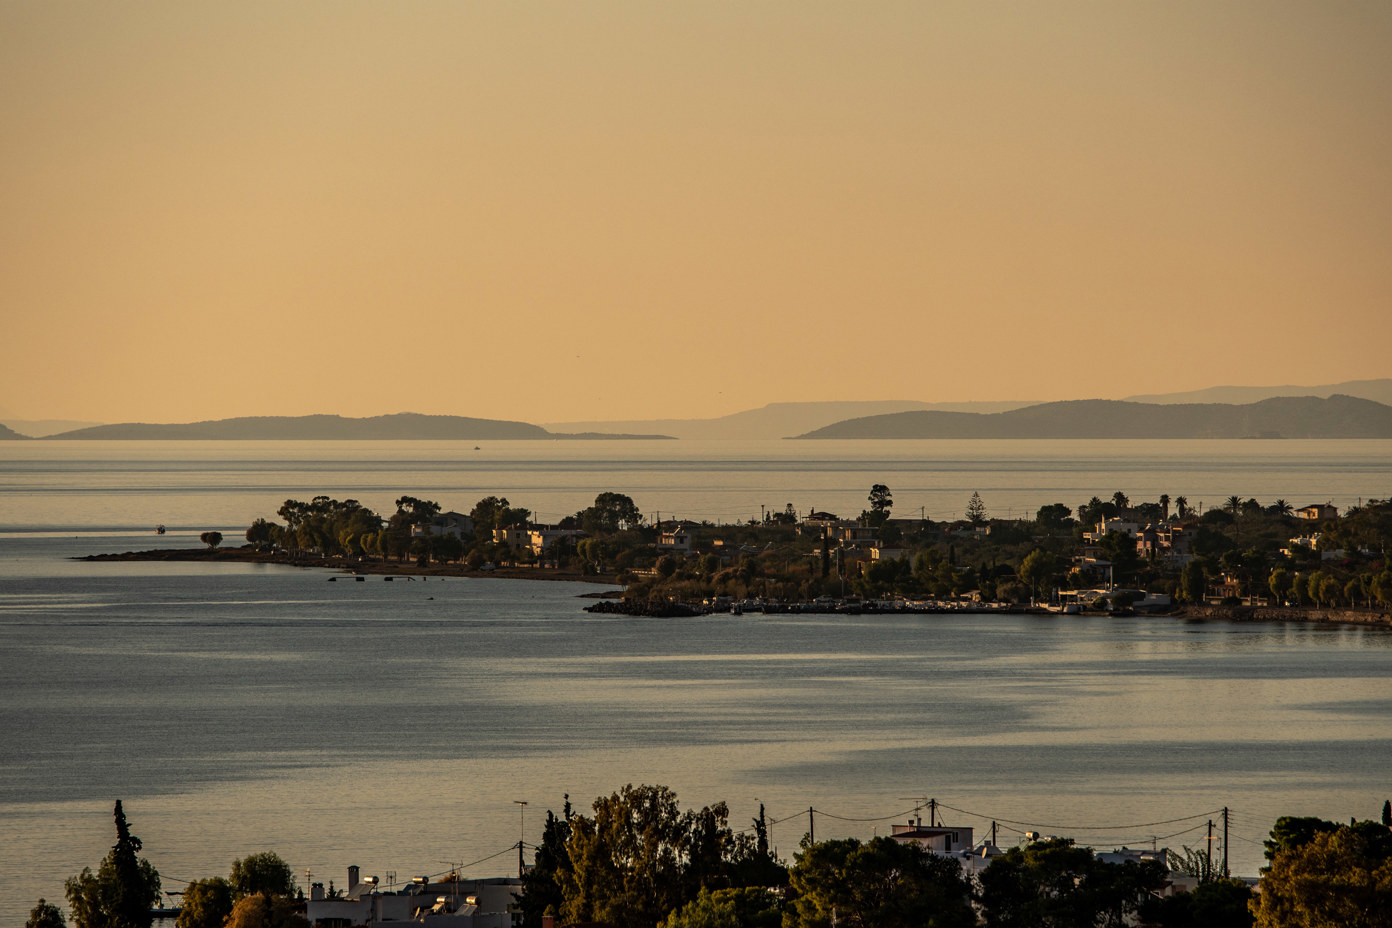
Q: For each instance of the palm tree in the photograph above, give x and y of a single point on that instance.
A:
(1182, 505)
(1165, 506)
(1120, 501)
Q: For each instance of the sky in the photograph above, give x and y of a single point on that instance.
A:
(578, 210)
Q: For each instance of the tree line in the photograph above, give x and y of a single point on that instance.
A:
(345, 528)
(641, 861)
(258, 892)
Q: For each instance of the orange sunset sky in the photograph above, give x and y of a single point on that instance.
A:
(579, 210)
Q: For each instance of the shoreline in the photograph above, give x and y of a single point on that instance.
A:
(244, 555)
(350, 567)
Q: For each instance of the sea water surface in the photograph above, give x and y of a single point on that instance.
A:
(395, 725)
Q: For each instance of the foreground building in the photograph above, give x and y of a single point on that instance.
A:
(452, 902)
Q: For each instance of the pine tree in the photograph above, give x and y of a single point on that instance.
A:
(122, 891)
(976, 509)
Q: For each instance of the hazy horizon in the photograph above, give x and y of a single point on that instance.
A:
(8, 416)
(624, 211)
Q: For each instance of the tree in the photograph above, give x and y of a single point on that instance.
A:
(1038, 568)
(1181, 506)
(628, 863)
(122, 891)
(46, 915)
(1053, 516)
(1193, 581)
(879, 884)
(1052, 884)
(745, 907)
(1387, 812)
(211, 539)
(1337, 879)
(1280, 583)
(263, 911)
(881, 502)
(1292, 832)
(1193, 863)
(207, 903)
(976, 509)
(259, 533)
(1221, 903)
(1120, 500)
(265, 873)
(610, 513)
(417, 511)
(1165, 506)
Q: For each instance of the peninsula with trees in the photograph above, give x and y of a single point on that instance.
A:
(1114, 555)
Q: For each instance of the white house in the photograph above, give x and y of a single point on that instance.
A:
(677, 540)
(446, 523)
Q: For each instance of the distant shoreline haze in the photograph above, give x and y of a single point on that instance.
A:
(1282, 417)
(1203, 416)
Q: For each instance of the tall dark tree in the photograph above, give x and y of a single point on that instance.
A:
(124, 889)
(976, 509)
(881, 502)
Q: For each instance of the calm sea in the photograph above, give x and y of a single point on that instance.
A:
(395, 725)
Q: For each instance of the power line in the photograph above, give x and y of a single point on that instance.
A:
(1090, 828)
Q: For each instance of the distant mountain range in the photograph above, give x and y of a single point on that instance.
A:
(776, 420)
(1378, 390)
(780, 420)
(404, 426)
(1281, 417)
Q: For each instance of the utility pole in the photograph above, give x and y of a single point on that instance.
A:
(811, 826)
(1226, 817)
(1210, 846)
(522, 838)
